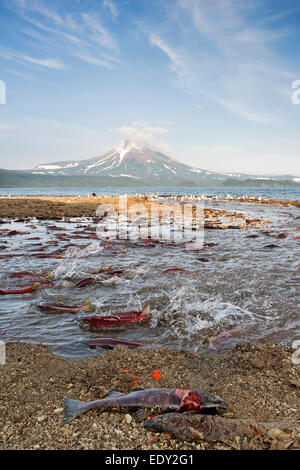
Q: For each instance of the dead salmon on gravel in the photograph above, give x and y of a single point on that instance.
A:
(165, 399)
(196, 427)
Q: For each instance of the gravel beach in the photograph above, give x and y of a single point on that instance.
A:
(260, 383)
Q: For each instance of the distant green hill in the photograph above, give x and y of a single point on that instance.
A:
(24, 179)
(231, 182)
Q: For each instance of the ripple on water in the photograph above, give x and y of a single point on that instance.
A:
(243, 286)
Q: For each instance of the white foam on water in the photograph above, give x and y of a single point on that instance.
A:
(113, 281)
(190, 315)
(65, 270)
(94, 248)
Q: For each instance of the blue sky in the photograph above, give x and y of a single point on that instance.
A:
(208, 82)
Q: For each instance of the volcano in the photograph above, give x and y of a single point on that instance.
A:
(130, 163)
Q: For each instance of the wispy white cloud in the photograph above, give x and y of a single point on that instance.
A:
(243, 111)
(234, 64)
(40, 8)
(19, 57)
(48, 63)
(100, 35)
(55, 32)
(177, 64)
(17, 73)
(77, 34)
(112, 8)
(92, 60)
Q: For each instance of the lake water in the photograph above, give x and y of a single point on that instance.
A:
(267, 193)
(249, 285)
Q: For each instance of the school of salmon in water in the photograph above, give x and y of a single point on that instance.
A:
(65, 246)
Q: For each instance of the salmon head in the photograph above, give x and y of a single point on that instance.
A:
(211, 402)
(197, 400)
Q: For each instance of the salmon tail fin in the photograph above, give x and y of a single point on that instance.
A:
(146, 312)
(74, 408)
(88, 306)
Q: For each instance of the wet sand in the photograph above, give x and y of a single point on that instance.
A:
(55, 207)
(260, 383)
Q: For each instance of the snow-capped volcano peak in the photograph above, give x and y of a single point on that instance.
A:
(124, 148)
(129, 158)
(132, 160)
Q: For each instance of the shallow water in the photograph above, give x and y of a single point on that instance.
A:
(243, 286)
(289, 193)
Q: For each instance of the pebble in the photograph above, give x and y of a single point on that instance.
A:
(58, 410)
(257, 363)
(128, 418)
(41, 418)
